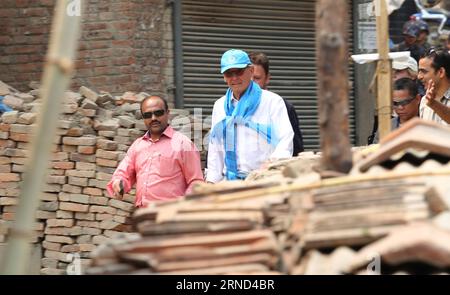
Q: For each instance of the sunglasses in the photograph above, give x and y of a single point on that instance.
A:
(404, 102)
(157, 113)
(235, 72)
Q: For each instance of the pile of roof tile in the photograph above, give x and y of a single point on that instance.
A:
(392, 222)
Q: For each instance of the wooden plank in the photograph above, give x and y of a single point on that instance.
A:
(264, 259)
(152, 244)
(202, 252)
(346, 237)
(368, 211)
(387, 201)
(375, 219)
(251, 267)
(170, 228)
(212, 216)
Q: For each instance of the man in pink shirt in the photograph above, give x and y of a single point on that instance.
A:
(163, 163)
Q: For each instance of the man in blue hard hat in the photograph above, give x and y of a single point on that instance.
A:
(250, 126)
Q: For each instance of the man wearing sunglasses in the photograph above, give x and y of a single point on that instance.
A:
(405, 102)
(434, 72)
(249, 125)
(163, 163)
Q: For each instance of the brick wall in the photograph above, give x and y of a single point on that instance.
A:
(125, 45)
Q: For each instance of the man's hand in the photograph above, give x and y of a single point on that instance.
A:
(430, 95)
(118, 189)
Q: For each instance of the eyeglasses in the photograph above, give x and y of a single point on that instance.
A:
(157, 113)
(434, 51)
(404, 102)
(234, 72)
(431, 51)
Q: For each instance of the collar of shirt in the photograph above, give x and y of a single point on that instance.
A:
(446, 95)
(234, 101)
(168, 132)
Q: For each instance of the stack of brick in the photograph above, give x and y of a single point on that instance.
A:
(76, 213)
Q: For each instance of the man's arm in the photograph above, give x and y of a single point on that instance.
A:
(440, 109)
(125, 172)
(191, 167)
(433, 103)
(280, 120)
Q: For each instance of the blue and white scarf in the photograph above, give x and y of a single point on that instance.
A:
(240, 115)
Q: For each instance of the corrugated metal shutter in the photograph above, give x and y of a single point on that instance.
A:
(284, 30)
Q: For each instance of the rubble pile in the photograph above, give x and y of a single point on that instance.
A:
(395, 222)
(196, 237)
(75, 212)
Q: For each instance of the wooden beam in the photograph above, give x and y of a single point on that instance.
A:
(332, 62)
(384, 79)
(58, 71)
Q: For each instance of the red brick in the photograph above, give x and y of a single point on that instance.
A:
(106, 163)
(4, 127)
(63, 165)
(73, 207)
(19, 137)
(8, 215)
(86, 150)
(6, 143)
(9, 177)
(84, 141)
(92, 191)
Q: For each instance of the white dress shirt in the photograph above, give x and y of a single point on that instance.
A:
(429, 114)
(252, 149)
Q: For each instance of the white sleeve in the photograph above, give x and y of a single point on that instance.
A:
(422, 106)
(216, 154)
(283, 129)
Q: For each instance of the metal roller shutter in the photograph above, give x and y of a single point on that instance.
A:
(284, 30)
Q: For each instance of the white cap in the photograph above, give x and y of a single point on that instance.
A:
(411, 64)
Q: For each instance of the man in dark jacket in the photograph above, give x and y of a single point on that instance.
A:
(261, 76)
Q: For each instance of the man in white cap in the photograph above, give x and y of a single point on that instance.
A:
(405, 69)
(249, 125)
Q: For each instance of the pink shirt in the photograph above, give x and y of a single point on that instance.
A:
(162, 170)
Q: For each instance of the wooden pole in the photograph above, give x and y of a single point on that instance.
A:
(384, 79)
(57, 73)
(332, 61)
